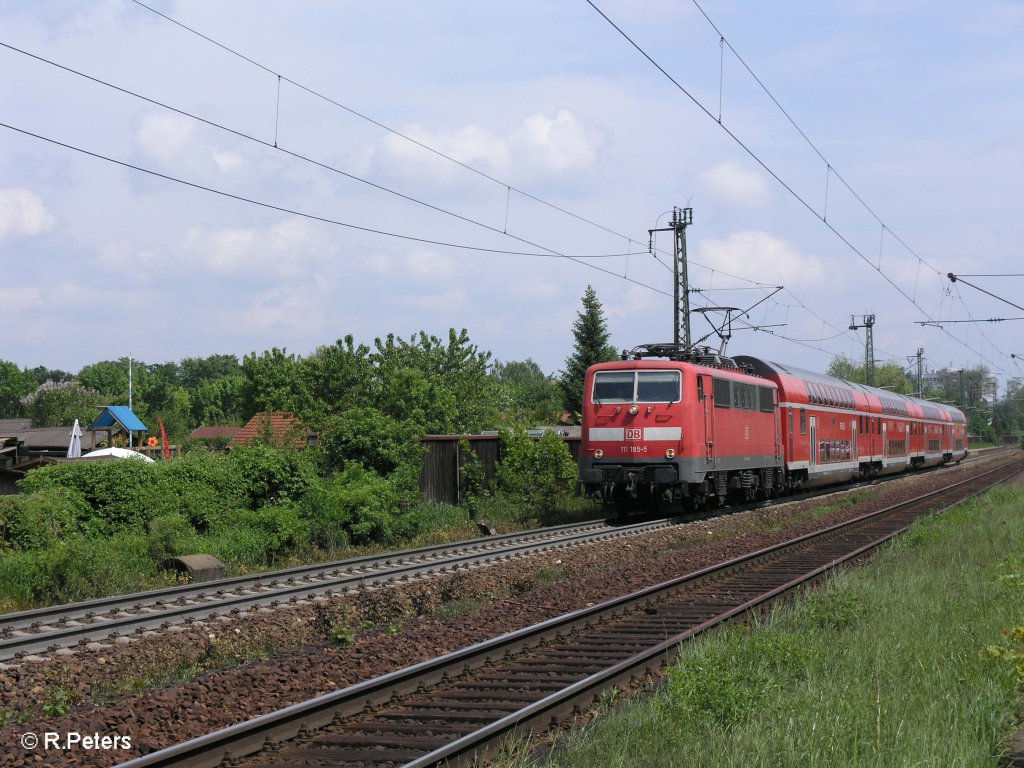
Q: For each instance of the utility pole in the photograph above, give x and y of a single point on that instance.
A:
(867, 323)
(919, 357)
(681, 219)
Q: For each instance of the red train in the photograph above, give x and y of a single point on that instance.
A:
(697, 430)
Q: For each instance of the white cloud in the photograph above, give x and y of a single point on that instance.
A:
(762, 257)
(229, 161)
(428, 265)
(17, 299)
(541, 143)
(560, 143)
(730, 184)
(22, 213)
(164, 136)
(123, 257)
(289, 249)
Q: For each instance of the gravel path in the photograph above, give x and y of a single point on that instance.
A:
(165, 687)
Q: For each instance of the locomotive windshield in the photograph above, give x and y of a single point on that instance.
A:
(636, 386)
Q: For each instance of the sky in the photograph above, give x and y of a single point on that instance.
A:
(224, 177)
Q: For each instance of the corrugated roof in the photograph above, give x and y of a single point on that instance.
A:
(119, 414)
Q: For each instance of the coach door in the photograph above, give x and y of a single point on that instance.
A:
(709, 419)
(812, 459)
(854, 456)
(885, 442)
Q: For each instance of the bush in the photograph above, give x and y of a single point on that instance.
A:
(377, 441)
(40, 520)
(207, 487)
(122, 495)
(78, 569)
(281, 529)
(358, 504)
(539, 474)
(170, 536)
(274, 475)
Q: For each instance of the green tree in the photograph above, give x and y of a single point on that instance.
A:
(59, 403)
(887, 375)
(1008, 413)
(445, 388)
(591, 334)
(335, 377)
(842, 367)
(109, 378)
(529, 396)
(219, 401)
(42, 374)
(14, 385)
(272, 382)
(194, 371)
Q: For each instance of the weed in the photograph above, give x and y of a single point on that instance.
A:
(547, 576)
(453, 608)
(341, 636)
(59, 701)
(1010, 650)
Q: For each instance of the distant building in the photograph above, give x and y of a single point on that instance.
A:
(280, 429)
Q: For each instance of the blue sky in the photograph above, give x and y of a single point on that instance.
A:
(916, 106)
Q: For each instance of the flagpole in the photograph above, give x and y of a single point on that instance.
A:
(129, 394)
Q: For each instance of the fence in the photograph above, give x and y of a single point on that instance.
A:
(442, 479)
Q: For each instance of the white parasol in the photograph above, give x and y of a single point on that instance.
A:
(75, 446)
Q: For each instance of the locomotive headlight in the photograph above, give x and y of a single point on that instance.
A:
(633, 409)
(598, 454)
(670, 453)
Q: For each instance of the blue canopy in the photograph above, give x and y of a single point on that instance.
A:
(118, 414)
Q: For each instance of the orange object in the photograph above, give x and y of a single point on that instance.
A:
(151, 442)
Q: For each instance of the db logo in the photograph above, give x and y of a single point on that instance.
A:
(634, 434)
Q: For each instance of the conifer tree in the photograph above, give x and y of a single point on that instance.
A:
(591, 333)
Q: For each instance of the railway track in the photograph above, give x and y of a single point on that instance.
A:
(63, 626)
(44, 630)
(458, 706)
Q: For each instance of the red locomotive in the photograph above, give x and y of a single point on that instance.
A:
(698, 429)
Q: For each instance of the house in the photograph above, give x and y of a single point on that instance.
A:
(280, 429)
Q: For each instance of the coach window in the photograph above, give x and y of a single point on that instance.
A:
(657, 386)
(803, 421)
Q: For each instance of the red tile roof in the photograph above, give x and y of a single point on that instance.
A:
(279, 428)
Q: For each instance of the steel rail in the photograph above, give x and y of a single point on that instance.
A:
(24, 633)
(50, 628)
(243, 739)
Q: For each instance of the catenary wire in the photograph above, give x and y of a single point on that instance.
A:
(775, 175)
(311, 216)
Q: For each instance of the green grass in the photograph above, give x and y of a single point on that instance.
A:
(910, 661)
